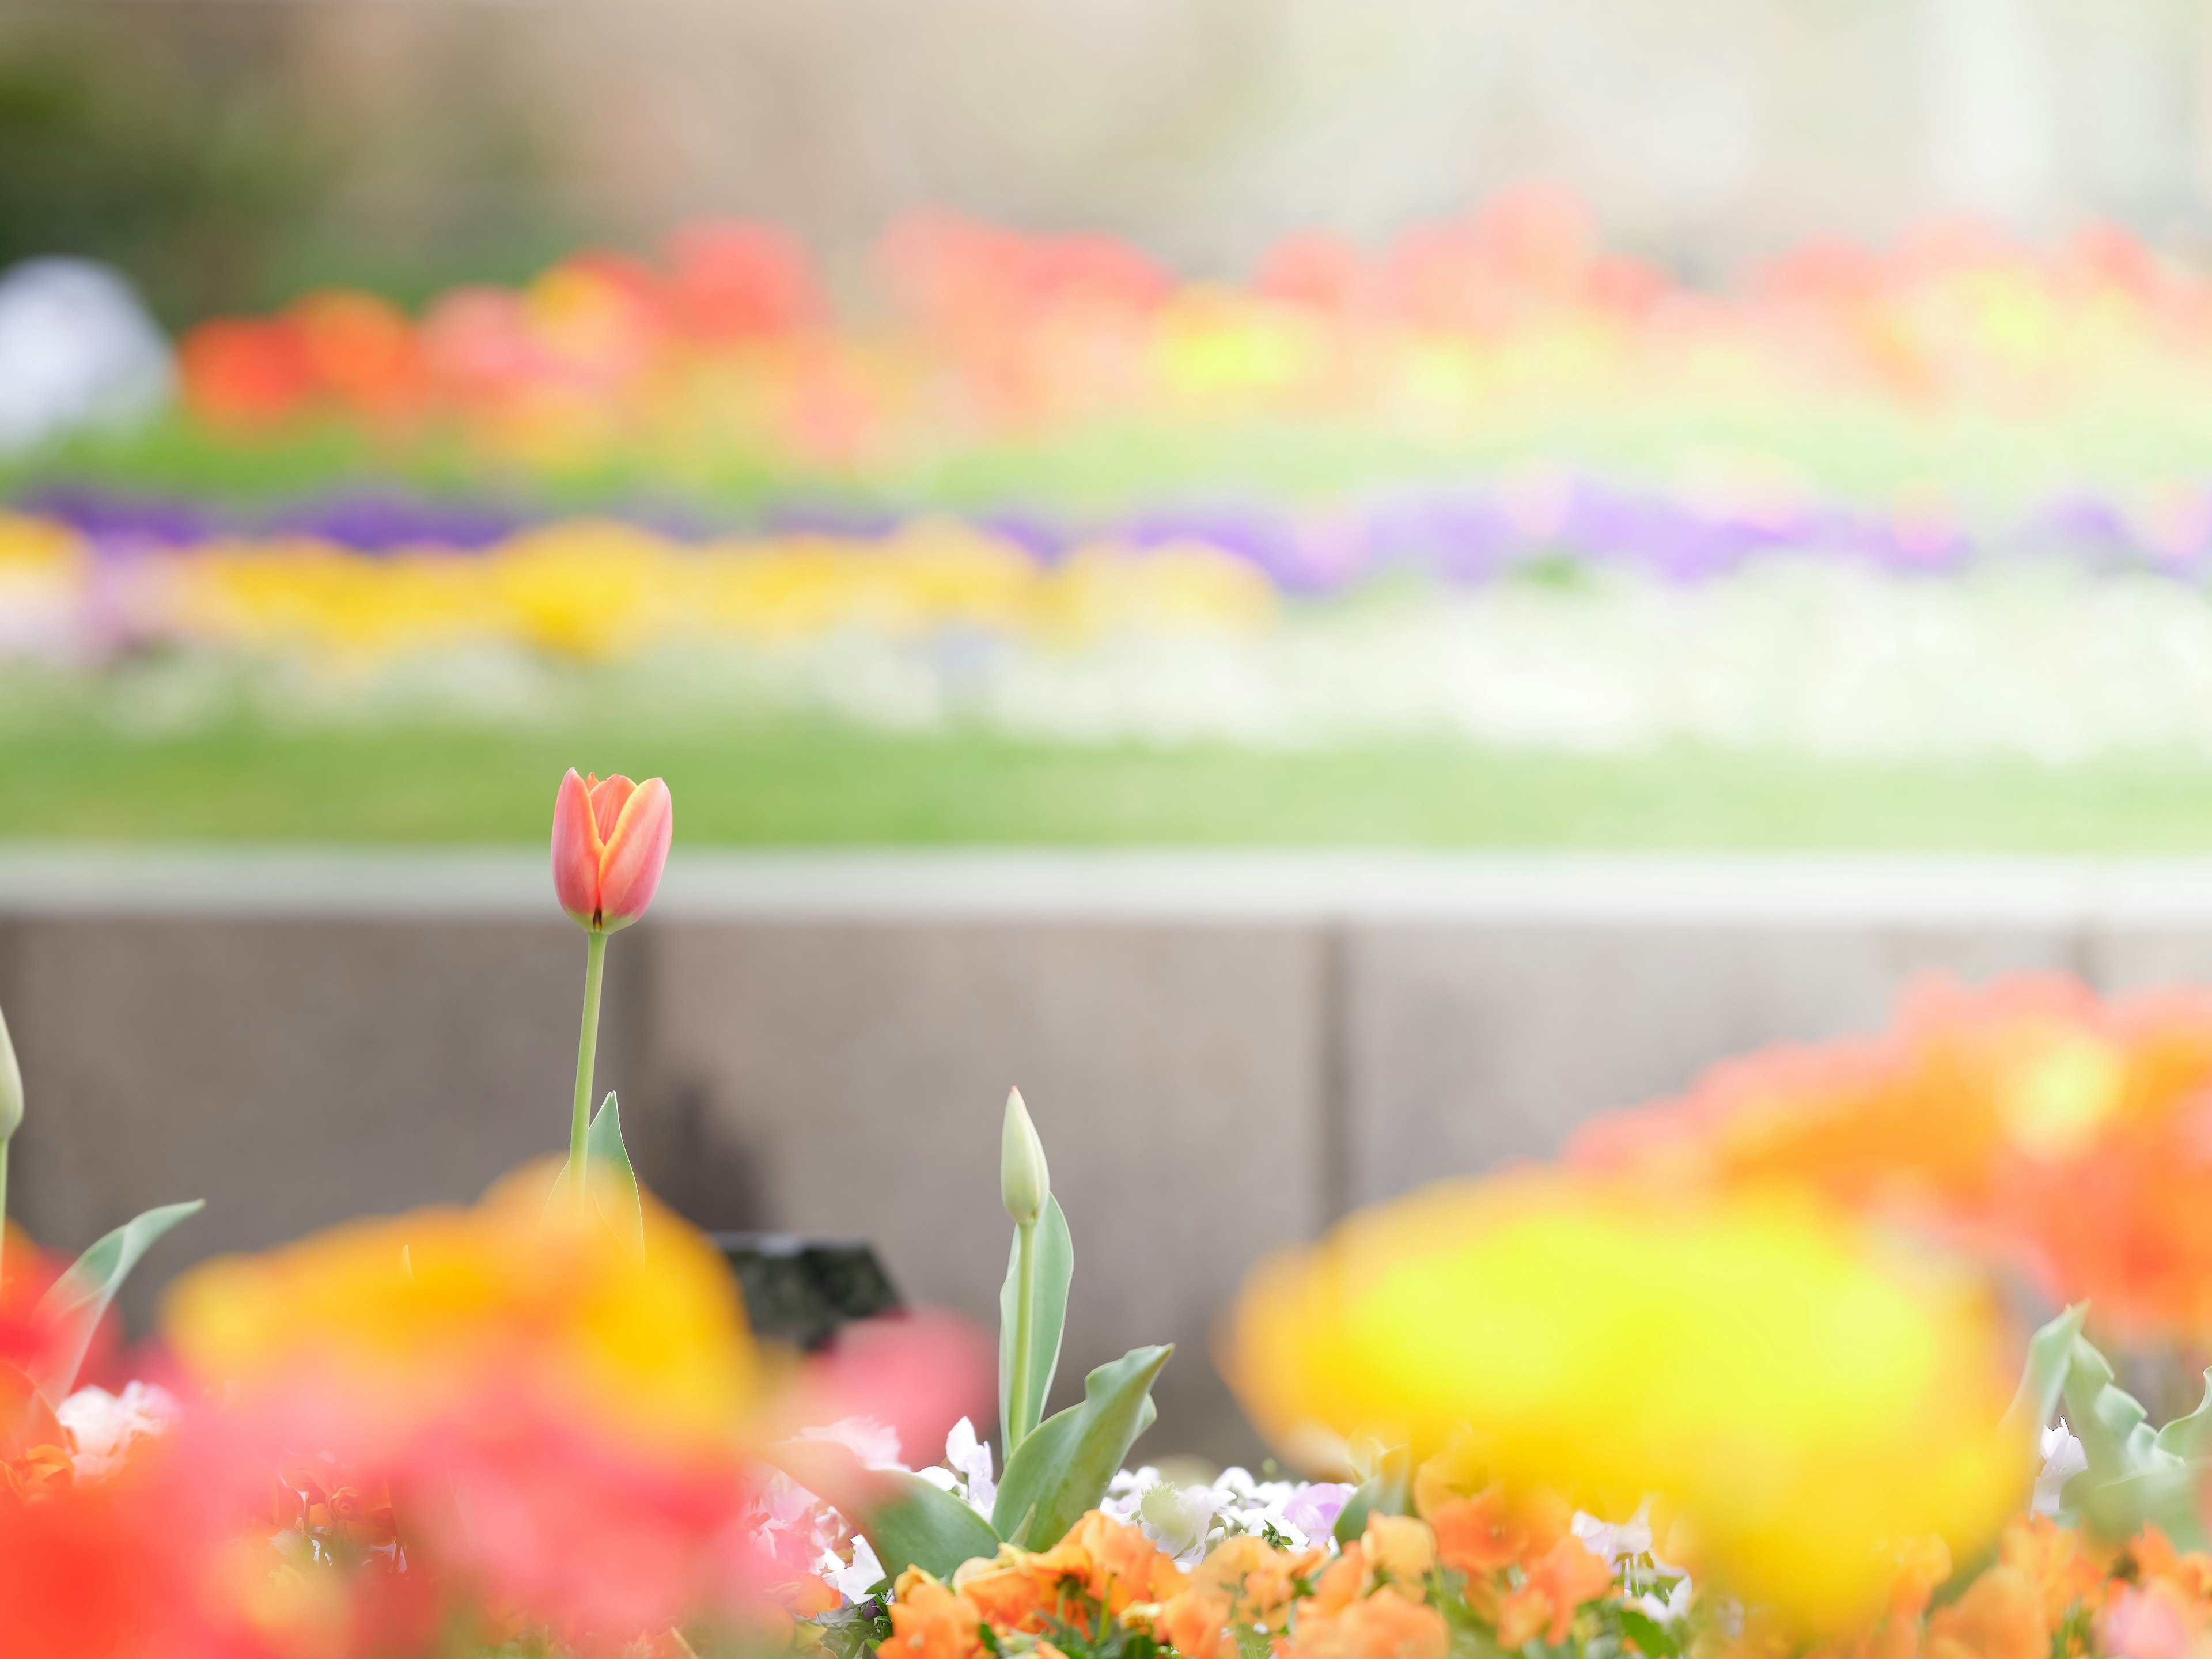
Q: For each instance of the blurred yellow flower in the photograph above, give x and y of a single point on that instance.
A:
(1801, 1397)
(416, 1311)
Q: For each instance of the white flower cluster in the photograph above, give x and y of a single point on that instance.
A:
(1187, 1521)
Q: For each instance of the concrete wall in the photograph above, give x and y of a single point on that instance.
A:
(1221, 1053)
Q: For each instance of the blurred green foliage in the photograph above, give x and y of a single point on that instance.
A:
(228, 157)
(171, 153)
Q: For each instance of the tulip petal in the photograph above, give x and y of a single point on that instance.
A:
(609, 796)
(630, 871)
(576, 851)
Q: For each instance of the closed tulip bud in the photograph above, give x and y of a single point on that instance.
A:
(609, 842)
(1023, 1182)
(11, 1088)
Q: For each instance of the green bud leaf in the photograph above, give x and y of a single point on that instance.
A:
(1052, 1271)
(608, 1178)
(610, 1183)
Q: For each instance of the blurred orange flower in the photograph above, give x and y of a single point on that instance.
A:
(1387, 1624)
(1557, 1585)
(1256, 1578)
(2064, 1564)
(556, 1423)
(2053, 1132)
(1107, 1560)
(410, 1317)
(1195, 1624)
(1401, 1547)
(1999, 1617)
(932, 1621)
(1474, 1535)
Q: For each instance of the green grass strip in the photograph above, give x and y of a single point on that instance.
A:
(800, 784)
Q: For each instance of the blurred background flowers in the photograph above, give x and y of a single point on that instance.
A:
(1805, 396)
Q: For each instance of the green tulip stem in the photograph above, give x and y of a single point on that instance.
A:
(1018, 1382)
(587, 1049)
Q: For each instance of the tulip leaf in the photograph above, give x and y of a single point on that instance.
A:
(2132, 1477)
(1063, 1470)
(609, 1183)
(1052, 1272)
(2190, 1437)
(919, 1525)
(608, 1178)
(2103, 1416)
(2050, 1354)
(73, 1305)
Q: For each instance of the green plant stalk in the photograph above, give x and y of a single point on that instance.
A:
(1019, 1427)
(587, 1049)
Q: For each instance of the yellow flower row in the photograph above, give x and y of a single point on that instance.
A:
(596, 587)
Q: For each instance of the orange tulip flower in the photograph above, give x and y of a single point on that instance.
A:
(609, 842)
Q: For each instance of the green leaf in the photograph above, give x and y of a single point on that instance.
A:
(608, 1178)
(1384, 1493)
(609, 1183)
(2190, 1437)
(919, 1525)
(2163, 1496)
(1063, 1470)
(1052, 1271)
(1659, 1640)
(2049, 1352)
(72, 1307)
(2104, 1418)
(2131, 1478)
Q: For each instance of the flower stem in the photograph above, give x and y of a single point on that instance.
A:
(587, 1049)
(1018, 1379)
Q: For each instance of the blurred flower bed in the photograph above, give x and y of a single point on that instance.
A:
(1932, 380)
(1735, 1380)
(1494, 485)
(1172, 632)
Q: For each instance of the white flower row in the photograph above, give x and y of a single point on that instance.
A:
(2050, 663)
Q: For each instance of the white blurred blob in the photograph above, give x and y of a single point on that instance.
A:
(971, 1459)
(1610, 1540)
(854, 1581)
(874, 1442)
(77, 351)
(966, 1471)
(102, 1426)
(2063, 1458)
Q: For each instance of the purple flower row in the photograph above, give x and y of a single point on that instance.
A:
(1469, 535)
